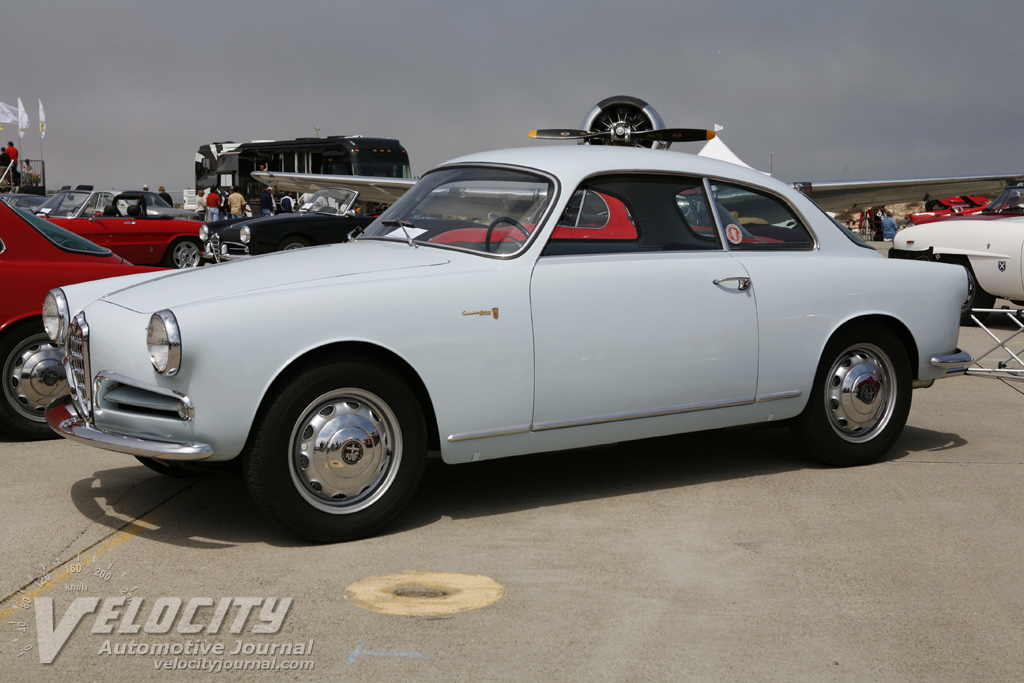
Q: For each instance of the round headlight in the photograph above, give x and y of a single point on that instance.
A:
(55, 315)
(204, 232)
(244, 235)
(163, 340)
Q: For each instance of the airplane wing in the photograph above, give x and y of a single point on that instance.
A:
(370, 188)
(839, 196)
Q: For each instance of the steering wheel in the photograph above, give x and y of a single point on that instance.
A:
(498, 221)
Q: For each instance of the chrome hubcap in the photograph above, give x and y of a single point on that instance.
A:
(345, 451)
(34, 376)
(859, 397)
(186, 255)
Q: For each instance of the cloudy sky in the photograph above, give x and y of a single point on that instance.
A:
(831, 90)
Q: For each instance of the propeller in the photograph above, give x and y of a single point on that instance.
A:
(624, 135)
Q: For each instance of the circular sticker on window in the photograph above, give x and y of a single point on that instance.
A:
(733, 234)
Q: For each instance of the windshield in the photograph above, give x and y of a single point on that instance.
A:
(65, 239)
(489, 210)
(332, 201)
(63, 204)
(1008, 202)
(153, 199)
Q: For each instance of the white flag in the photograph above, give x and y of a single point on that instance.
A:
(42, 121)
(8, 114)
(22, 119)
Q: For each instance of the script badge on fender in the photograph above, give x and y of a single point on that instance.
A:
(491, 312)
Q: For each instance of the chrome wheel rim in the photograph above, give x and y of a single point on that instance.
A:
(860, 392)
(186, 255)
(34, 376)
(345, 451)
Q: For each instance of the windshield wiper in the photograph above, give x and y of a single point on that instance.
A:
(404, 225)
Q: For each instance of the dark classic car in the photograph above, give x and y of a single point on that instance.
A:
(127, 228)
(327, 217)
(35, 257)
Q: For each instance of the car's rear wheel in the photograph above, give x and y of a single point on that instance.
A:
(860, 399)
(33, 376)
(338, 452)
(184, 252)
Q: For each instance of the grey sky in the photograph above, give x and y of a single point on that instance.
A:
(844, 90)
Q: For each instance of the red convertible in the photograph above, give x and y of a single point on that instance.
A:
(941, 209)
(35, 257)
(127, 229)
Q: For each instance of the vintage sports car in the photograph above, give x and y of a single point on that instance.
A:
(126, 227)
(941, 209)
(989, 244)
(511, 302)
(84, 202)
(326, 218)
(35, 257)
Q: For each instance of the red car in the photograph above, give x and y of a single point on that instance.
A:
(127, 229)
(940, 209)
(35, 257)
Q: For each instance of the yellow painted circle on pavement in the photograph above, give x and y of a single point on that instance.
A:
(422, 594)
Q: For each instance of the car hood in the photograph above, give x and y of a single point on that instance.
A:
(296, 268)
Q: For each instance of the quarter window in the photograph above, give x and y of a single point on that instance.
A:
(757, 221)
(635, 213)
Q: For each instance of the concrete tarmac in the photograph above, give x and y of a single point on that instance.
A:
(718, 556)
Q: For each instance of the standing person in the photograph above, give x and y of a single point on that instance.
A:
(201, 205)
(267, 201)
(287, 203)
(213, 205)
(889, 227)
(162, 193)
(236, 203)
(5, 161)
(12, 152)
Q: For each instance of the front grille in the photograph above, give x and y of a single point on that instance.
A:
(77, 365)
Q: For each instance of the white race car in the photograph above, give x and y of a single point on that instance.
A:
(512, 302)
(989, 244)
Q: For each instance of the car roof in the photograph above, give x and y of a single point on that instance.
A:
(571, 163)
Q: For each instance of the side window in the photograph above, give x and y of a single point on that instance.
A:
(758, 221)
(635, 213)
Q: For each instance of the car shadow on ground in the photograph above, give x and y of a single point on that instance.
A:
(214, 511)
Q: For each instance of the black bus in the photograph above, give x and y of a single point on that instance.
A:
(223, 164)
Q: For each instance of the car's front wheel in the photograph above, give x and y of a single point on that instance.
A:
(860, 399)
(338, 452)
(976, 298)
(33, 376)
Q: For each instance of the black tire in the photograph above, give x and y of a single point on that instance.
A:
(976, 298)
(354, 414)
(293, 242)
(168, 469)
(860, 399)
(33, 376)
(184, 252)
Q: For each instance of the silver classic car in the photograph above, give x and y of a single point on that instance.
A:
(512, 302)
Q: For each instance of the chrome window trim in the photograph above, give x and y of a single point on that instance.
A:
(757, 189)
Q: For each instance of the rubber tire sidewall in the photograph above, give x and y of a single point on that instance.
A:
(981, 298)
(813, 430)
(12, 422)
(266, 466)
(293, 239)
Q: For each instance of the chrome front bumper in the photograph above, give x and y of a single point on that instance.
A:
(64, 419)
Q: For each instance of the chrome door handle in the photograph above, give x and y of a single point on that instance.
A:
(744, 283)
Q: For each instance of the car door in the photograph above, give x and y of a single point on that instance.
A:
(118, 234)
(646, 316)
